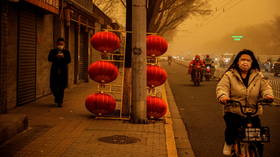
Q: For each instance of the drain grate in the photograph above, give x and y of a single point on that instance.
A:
(119, 139)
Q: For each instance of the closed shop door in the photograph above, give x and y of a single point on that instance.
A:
(83, 65)
(73, 49)
(75, 40)
(26, 75)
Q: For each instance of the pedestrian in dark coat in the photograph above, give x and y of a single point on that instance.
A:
(60, 58)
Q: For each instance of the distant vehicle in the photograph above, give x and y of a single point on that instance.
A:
(276, 68)
(226, 60)
(163, 58)
(169, 60)
(208, 73)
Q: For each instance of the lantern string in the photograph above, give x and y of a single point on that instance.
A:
(119, 30)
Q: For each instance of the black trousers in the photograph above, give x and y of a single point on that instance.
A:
(58, 94)
(235, 121)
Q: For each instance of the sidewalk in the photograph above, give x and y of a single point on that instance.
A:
(71, 131)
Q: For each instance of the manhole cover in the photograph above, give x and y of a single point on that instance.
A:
(119, 139)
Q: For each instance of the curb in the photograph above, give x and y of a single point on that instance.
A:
(175, 127)
(169, 133)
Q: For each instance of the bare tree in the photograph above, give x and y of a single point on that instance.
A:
(166, 15)
(277, 30)
(162, 15)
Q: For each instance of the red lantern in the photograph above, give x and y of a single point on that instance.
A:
(156, 76)
(103, 72)
(100, 103)
(156, 107)
(105, 41)
(156, 45)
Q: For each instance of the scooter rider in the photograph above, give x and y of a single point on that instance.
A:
(208, 61)
(196, 62)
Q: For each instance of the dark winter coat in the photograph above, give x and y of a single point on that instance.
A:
(59, 69)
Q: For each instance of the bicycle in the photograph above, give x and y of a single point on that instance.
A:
(249, 136)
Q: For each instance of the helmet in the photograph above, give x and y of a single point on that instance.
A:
(197, 57)
(207, 56)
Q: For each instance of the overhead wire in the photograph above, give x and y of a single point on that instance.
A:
(222, 4)
(222, 11)
(224, 7)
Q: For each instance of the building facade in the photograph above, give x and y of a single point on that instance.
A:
(29, 29)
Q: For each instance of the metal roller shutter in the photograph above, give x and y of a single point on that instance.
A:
(83, 75)
(26, 79)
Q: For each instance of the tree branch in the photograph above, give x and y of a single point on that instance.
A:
(123, 3)
(173, 12)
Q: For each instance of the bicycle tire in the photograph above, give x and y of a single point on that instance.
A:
(236, 151)
(254, 149)
(246, 150)
(242, 150)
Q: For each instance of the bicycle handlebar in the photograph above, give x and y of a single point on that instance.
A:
(263, 102)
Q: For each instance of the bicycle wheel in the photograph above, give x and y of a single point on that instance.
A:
(236, 150)
(241, 150)
(253, 151)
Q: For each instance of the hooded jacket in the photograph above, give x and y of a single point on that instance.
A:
(232, 86)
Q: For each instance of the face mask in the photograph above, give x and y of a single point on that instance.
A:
(60, 47)
(245, 65)
(245, 62)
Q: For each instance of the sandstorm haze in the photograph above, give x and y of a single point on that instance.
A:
(258, 21)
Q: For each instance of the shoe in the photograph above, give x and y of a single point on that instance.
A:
(227, 149)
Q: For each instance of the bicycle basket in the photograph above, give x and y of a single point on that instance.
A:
(261, 134)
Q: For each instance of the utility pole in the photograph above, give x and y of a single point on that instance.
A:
(139, 60)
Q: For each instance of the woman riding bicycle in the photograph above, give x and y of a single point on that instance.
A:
(242, 82)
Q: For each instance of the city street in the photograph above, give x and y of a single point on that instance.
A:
(95, 78)
(203, 115)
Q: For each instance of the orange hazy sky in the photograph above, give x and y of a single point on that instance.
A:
(195, 32)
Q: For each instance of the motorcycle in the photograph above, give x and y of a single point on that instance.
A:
(208, 73)
(196, 74)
